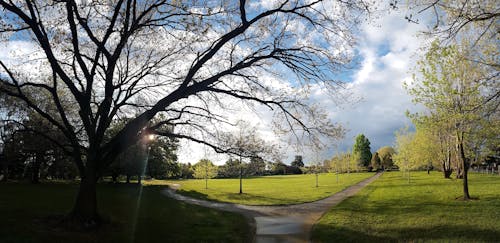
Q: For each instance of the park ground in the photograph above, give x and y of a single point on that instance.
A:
(388, 210)
(269, 190)
(428, 209)
(29, 213)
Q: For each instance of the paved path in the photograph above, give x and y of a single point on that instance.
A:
(289, 223)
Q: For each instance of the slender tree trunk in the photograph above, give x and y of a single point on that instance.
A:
(128, 179)
(241, 177)
(463, 163)
(35, 170)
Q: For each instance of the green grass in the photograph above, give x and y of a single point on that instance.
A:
(28, 212)
(270, 190)
(426, 210)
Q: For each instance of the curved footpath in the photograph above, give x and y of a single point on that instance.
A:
(288, 223)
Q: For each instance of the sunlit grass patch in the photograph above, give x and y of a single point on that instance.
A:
(391, 210)
(270, 190)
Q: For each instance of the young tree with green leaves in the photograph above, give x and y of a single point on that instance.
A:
(205, 169)
(454, 90)
(404, 157)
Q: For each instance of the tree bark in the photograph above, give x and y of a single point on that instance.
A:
(447, 170)
(241, 177)
(35, 169)
(463, 164)
(84, 213)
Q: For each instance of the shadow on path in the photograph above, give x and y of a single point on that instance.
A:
(287, 223)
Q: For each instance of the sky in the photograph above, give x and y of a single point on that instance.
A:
(387, 51)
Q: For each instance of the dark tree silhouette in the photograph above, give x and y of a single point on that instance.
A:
(143, 59)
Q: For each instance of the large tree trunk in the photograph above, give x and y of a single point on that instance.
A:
(84, 212)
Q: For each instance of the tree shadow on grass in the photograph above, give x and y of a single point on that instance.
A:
(238, 198)
(445, 233)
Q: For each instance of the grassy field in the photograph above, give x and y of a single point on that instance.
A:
(426, 210)
(133, 215)
(270, 190)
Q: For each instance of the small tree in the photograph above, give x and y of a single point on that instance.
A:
(245, 143)
(205, 169)
(403, 157)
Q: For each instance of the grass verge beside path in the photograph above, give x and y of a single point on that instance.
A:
(26, 211)
(391, 210)
(270, 190)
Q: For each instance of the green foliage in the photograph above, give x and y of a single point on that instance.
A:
(278, 168)
(385, 154)
(154, 157)
(376, 162)
(230, 169)
(404, 158)
(297, 162)
(162, 159)
(257, 166)
(343, 163)
(204, 169)
(391, 210)
(186, 171)
(361, 151)
(455, 89)
(135, 214)
(270, 190)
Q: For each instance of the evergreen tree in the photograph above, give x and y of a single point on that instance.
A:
(297, 162)
(361, 148)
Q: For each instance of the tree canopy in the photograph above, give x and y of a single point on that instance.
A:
(184, 62)
(361, 149)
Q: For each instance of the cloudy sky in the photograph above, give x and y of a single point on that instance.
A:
(388, 48)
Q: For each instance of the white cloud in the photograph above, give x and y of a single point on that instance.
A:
(389, 47)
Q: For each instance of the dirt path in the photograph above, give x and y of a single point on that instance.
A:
(289, 223)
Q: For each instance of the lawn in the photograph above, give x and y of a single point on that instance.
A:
(28, 213)
(270, 190)
(426, 210)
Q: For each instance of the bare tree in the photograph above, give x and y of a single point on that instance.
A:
(453, 17)
(181, 61)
